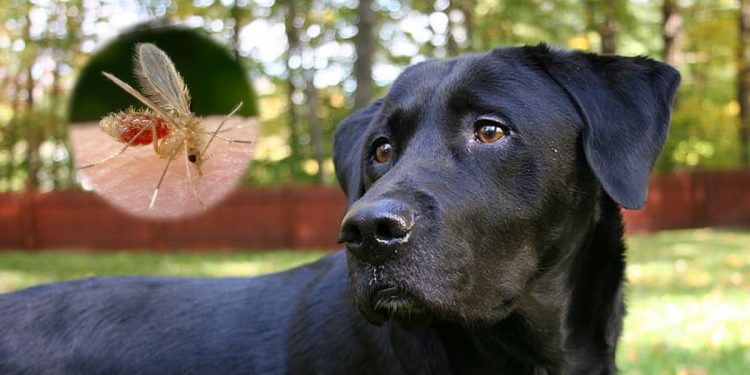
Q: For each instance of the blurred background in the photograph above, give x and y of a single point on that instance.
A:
(302, 55)
(311, 63)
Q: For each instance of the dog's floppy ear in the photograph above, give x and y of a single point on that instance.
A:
(348, 150)
(625, 105)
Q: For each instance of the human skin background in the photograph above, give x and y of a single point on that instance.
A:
(128, 180)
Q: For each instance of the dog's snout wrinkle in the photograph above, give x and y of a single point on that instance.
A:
(373, 231)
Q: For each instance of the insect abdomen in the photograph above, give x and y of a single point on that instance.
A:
(124, 126)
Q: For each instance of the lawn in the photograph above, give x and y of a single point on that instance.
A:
(23, 269)
(688, 304)
(688, 293)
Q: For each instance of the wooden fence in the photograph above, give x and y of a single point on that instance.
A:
(308, 218)
(693, 200)
(301, 218)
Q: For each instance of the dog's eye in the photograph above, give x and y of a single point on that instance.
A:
(383, 152)
(488, 131)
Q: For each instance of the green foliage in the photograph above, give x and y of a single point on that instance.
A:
(274, 163)
(216, 81)
(703, 135)
(704, 131)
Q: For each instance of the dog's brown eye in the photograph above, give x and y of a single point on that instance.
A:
(383, 153)
(489, 133)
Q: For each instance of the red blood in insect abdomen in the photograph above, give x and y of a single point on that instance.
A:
(129, 124)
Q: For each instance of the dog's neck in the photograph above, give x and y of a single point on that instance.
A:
(595, 306)
(574, 334)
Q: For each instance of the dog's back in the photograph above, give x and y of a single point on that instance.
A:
(150, 325)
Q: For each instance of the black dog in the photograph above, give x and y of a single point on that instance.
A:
(484, 236)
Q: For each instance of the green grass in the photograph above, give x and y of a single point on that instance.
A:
(688, 292)
(688, 304)
(23, 269)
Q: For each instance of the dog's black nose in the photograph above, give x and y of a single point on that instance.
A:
(373, 231)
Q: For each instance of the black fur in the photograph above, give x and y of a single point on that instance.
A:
(463, 257)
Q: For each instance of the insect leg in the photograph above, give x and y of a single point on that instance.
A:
(130, 142)
(156, 139)
(158, 185)
(190, 179)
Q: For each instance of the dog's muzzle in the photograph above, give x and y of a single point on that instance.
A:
(374, 231)
(393, 303)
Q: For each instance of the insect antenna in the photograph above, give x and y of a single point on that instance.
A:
(215, 133)
(229, 140)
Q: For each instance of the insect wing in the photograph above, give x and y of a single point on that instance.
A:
(159, 80)
(130, 90)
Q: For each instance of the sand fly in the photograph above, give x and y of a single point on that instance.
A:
(167, 122)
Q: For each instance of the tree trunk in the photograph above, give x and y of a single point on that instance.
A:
(609, 28)
(365, 44)
(293, 50)
(57, 125)
(32, 136)
(31, 127)
(238, 15)
(316, 133)
(451, 45)
(671, 31)
(743, 81)
(13, 134)
(602, 18)
(467, 9)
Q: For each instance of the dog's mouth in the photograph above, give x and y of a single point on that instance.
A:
(394, 303)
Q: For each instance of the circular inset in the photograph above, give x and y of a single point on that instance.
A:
(147, 152)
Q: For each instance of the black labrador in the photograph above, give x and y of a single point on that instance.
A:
(483, 235)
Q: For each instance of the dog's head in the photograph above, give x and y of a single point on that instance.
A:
(474, 173)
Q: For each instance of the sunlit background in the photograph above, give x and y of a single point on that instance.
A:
(689, 291)
(304, 51)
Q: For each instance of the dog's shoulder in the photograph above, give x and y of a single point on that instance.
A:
(171, 324)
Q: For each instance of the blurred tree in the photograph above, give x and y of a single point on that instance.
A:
(461, 26)
(313, 105)
(31, 127)
(602, 17)
(366, 26)
(335, 55)
(704, 125)
(292, 22)
(672, 33)
(240, 13)
(743, 81)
